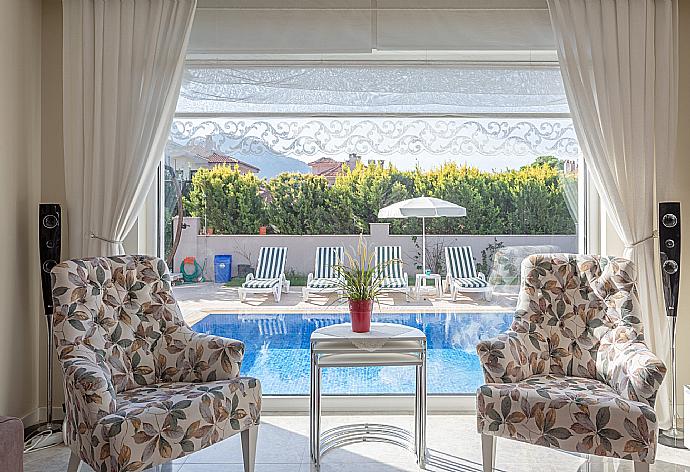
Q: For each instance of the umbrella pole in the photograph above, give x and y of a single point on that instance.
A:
(423, 245)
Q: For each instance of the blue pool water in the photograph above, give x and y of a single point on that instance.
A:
(277, 351)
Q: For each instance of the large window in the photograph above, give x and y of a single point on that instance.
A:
(317, 149)
(310, 152)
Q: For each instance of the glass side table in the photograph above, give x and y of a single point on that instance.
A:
(386, 344)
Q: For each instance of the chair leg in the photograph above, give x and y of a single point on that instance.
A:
(641, 467)
(74, 462)
(249, 447)
(489, 452)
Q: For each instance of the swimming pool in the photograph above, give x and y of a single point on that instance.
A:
(277, 351)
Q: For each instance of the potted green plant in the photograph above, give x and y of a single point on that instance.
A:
(359, 279)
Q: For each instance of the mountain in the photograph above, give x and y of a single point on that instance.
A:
(272, 164)
(253, 151)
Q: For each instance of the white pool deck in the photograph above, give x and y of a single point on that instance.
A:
(198, 300)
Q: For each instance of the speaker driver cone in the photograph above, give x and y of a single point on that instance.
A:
(50, 221)
(669, 220)
(48, 266)
(670, 267)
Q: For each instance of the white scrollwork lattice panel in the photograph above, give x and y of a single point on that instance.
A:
(306, 137)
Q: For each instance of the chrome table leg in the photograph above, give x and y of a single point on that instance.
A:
(421, 447)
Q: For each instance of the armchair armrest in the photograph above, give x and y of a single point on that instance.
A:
(188, 356)
(507, 359)
(89, 387)
(626, 364)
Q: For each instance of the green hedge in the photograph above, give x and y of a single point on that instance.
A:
(229, 201)
(525, 201)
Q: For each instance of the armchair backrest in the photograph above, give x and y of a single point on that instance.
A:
(115, 311)
(568, 302)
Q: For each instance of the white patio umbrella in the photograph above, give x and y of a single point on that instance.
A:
(422, 207)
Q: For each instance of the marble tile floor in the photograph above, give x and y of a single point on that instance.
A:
(453, 444)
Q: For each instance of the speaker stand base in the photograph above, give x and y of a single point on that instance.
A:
(672, 437)
(43, 435)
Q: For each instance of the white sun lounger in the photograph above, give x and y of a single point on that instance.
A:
(461, 273)
(324, 279)
(270, 274)
(394, 276)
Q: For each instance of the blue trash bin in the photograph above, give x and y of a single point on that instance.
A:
(222, 265)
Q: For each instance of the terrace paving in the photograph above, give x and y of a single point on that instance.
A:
(197, 300)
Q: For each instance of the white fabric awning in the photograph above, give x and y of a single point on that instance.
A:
(373, 88)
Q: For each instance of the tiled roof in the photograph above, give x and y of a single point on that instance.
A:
(216, 158)
(324, 160)
(334, 171)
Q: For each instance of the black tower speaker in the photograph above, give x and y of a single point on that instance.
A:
(49, 226)
(669, 242)
(669, 245)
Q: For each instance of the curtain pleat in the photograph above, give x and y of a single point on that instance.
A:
(122, 69)
(620, 70)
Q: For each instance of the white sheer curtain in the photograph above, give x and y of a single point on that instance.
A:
(122, 68)
(619, 64)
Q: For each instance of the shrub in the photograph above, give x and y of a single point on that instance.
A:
(306, 204)
(530, 200)
(228, 200)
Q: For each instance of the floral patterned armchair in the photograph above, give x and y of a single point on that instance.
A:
(573, 373)
(142, 388)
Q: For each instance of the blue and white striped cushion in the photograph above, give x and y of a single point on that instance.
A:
(323, 283)
(393, 282)
(261, 283)
(460, 262)
(271, 262)
(471, 282)
(326, 258)
(392, 270)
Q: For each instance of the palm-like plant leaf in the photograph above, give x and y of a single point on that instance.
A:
(360, 278)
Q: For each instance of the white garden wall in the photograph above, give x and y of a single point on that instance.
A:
(245, 248)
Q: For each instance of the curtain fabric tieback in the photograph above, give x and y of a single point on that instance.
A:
(101, 238)
(654, 235)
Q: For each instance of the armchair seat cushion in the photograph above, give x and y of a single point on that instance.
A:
(164, 421)
(570, 413)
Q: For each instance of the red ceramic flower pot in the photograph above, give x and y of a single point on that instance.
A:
(360, 314)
